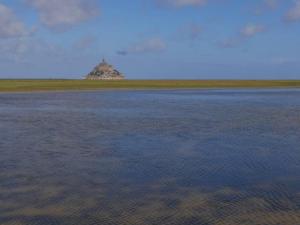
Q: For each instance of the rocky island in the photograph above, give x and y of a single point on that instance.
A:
(104, 71)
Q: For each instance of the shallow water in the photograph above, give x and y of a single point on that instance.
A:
(188, 157)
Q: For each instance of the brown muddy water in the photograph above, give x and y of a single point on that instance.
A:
(189, 157)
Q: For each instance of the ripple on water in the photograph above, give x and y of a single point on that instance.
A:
(199, 157)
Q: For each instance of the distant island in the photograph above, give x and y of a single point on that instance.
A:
(104, 71)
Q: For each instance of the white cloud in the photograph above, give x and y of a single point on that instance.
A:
(267, 5)
(85, 42)
(251, 30)
(62, 14)
(145, 46)
(25, 49)
(294, 13)
(271, 4)
(247, 32)
(10, 26)
(183, 3)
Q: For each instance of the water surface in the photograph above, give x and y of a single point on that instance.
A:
(188, 157)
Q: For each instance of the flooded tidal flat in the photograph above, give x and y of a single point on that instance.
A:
(194, 157)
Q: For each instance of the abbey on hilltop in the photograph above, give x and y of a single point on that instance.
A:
(104, 71)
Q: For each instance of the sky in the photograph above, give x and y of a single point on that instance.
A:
(151, 39)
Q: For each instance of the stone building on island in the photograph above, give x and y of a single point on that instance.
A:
(104, 71)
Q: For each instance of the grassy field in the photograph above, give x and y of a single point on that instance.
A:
(61, 85)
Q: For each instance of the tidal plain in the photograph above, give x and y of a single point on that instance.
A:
(149, 157)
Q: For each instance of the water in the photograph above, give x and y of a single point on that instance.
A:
(194, 157)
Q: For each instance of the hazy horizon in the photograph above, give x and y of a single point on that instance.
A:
(151, 39)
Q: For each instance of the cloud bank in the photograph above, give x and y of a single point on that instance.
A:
(150, 45)
(294, 13)
(182, 3)
(10, 25)
(60, 15)
(251, 30)
(247, 32)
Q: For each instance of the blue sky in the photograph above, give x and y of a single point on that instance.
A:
(151, 39)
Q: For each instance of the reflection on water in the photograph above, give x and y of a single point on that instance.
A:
(207, 157)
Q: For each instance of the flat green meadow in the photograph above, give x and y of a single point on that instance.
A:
(64, 85)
